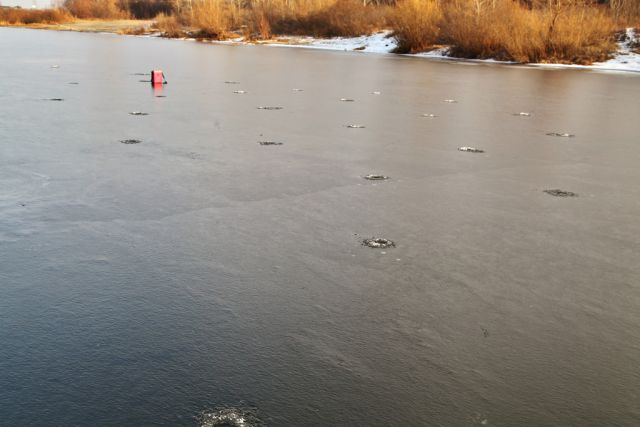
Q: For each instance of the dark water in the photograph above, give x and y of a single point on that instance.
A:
(142, 284)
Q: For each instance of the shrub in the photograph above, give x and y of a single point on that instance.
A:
(168, 25)
(103, 9)
(147, 9)
(416, 25)
(571, 32)
(212, 18)
(15, 16)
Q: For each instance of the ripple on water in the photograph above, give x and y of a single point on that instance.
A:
(230, 417)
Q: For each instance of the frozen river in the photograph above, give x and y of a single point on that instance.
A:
(151, 283)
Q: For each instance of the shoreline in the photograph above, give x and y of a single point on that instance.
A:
(624, 61)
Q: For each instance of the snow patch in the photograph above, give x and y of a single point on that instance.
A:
(440, 53)
(625, 59)
(381, 42)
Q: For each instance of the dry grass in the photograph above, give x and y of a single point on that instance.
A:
(416, 25)
(507, 30)
(96, 9)
(338, 18)
(11, 16)
(169, 26)
(627, 11)
(212, 18)
(134, 31)
(262, 18)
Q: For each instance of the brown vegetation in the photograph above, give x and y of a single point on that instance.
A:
(626, 10)
(341, 18)
(566, 31)
(417, 25)
(213, 18)
(15, 16)
(570, 31)
(100, 9)
(169, 25)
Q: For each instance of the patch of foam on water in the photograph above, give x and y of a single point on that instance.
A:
(230, 417)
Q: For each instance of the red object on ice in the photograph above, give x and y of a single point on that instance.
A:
(157, 77)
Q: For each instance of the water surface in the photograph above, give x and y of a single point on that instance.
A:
(142, 284)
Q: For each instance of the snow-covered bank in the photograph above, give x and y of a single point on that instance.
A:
(624, 60)
(380, 42)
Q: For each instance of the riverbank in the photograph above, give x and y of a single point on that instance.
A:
(625, 59)
(118, 26)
